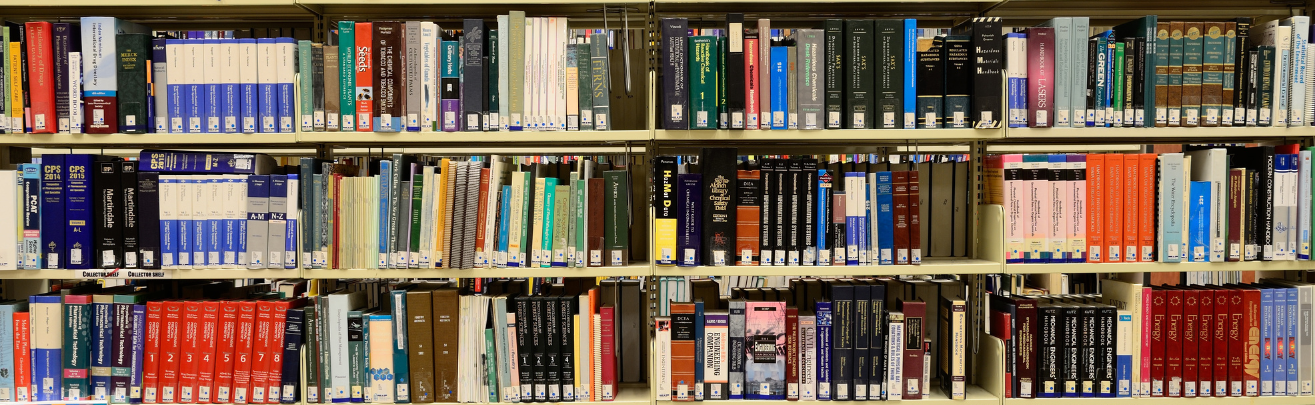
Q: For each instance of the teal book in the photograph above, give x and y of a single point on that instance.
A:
(77, 347)
(722, 111)
(306, 85)
(347, 74)
(561, 220)
(491, 364)
(578, 208)
(586, 92)
(1162, 75)
(703, 82)
(598, 66)
(526, 210)
(549, 217)
(401, 367)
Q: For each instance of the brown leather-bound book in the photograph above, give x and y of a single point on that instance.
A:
(682, 351)
(1175, 73)
(595, 219)
(420, 340)
(915, 313)
(1212, 84)
(446, 316)
(748, 216)
(900, 181)
(915, 220)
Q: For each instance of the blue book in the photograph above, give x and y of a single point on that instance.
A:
(689, 223)
(698, 350)
(47, 354)
(1017, 91)
(885, 218)
(400, 366)
(864, 223)
(177, 91)
(248, 93)
(199, 225)
(230, 92)
(1109, 77)
(7, 346)
(52, 205)
(1170, 195)
(292, 341)
(385, 205)
(267, 95)
(1267, 342)
(228, 188)
(823, 217)
(291, 234)
(194, 87)
(214, 221)
(30, 257)
(823, 350)
(102, 331)
(853, 221)
(1199, 221)
(504, 222)
(780, 59)
(1293, 323)
(286, 98)
(175, 161)
(1280, 341)
(910, 73)
(214, 101)
(183, 221)
(78, 198)
(138, 350)
(168, 221)
(1123, 362)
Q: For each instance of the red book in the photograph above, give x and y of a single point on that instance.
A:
(609, 352)
(226, 340)
(1001, 327)
(1205, 343)
(187, 370)
(1146, 206)
(364, 77)
(1237, 344)
(900, 183)
(242, 363)
(751, 83)
(1159, 310)
(151, 357)
(1236, 209)
(170, 348)
(1250, 331)
(205, 351)
(1131, 207)
(1189, 329)
(792, 354)
(41, 78)
(915, 318)
(915, 223)
(1114, 208)
(480, 219)
(1041, 77)
(1095, 208)
(1173, 344)
(1222, 347)
(278, 325)
(261, 350)
(22, 357)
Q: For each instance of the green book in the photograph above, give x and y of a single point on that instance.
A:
(492, 72)
(561, 223)
(516, 70)
(356, 354)
(401, 362)
(347, 75)
(124, 370)
(1162, 75)
(571, 219)
(306, 85)
(527, 204)
(586, 92)
(598, 70)
(77, 347)
(1116, 97)
(722, 110)
(616, 217)
(491, 364)
(703, 81)
(133, 51)
(417, 202)
(579, 207)
(367, 389)
(548, 222)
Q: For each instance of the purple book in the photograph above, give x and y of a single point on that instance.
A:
(449, 82)
(1041, 76)
(61, 43)
(689, 218)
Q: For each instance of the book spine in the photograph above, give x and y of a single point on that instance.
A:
(102, 343)
(987, 63)
(348, 63)
(52, 206)
(30, 188)
(1016, 57)
(599, 67)
(46, 316)
(100, 80)
(859, 36)
(910, 72)
(78, 210)
(1041, 75)
(41, 79)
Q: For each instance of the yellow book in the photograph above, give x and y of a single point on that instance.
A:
(15, 88)
(664, 211)
(444, 212)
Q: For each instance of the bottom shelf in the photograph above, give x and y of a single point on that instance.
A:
(1295, 400)
(631, 395)
(974, 395)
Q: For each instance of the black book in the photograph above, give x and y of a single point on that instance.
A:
(539, 347)
(292, 338)
(957, 60)
(931, 92)
(837, 231)
(858, 74)
(718, 167)
(1089, 342)
(473, 79)
(735, 69)
(794, 190)
(1138, 91)
(1106, 357)
(109, 216)
(1240, 47)
(833, 69)
(128, 192)
(1071, 349)
(553, 347)
(767, 235)
(633, 354)
(842, 340)
(566, 309)
(781, 214)
(524, 347)
(1251, 85)
(808, 211)
(877, 339)
(675, 68)
(862, 331)
(1050, 362)
(1129, 80)
(1265, 65)
(890, 78)
(987, 71)
(148, 218)
(1091, 78)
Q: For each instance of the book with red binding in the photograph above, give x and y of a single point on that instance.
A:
(170, 349)
(188, 356)
(260, 351)
(1188, 335)
(242, 353)
(1205, 343)
(1250, 332)
(151, 355)
(205, 352)
(1221, 343)
(608, 352)
(915, 315)
(1237, 344)
(278, 325)
(1159, 327)
(22, 356)
(1173, 343)
(41, 78)
(225, 343)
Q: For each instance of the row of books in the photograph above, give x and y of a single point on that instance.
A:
(790, 211)
(756, 77)
(1150, 73)
(486, 212)
(819, 339)
(81, 211)
(1207, 205)
(1172, 341)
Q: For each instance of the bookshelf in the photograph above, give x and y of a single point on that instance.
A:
(476, 138)
(641, 269)
(164, 274)
(928, 266)
(278, 140)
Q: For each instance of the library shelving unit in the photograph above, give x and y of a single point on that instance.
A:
(164, 274)
(640, 269)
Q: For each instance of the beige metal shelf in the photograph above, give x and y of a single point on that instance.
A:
(476, 138)
(831, 135)
(974, 395)
(1152, 267)
(190, 274)
(1299, 400)
(928, 266)
(641, 269)
(1121, 135)
(90, 140)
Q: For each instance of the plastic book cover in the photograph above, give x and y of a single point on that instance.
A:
(764, 331)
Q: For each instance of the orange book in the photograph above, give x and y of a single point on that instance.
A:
(1095, 208)
(22, 357)
(1146, 206)
(682, 351)
(364, 77)
(1131, 192)
(1114, 207)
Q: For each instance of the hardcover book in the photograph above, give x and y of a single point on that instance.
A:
(765, 327)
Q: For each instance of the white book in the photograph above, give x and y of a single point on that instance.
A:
(230, 77)
(426, 217)
(265, 72)
(287, 72)
(1282, 42)
(291, 243)
(194, 81)
(11, 186)
(531, 73)
(429, 75)
(235, 213)
(183, 208)
(895, 356)
(1292, 203)
(663, 366)
(1298, 71)
(75, 93)
(1212, 165)
(562, 37)
(853, 203)
(1303, 204)
(177, 72)
(159, 86)
(584, 330)
(168, 221)
(240, 199)
(200, 213)
(211, 54)
(214, 201)
(248, 78)
(504, 85)
(808, 360)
